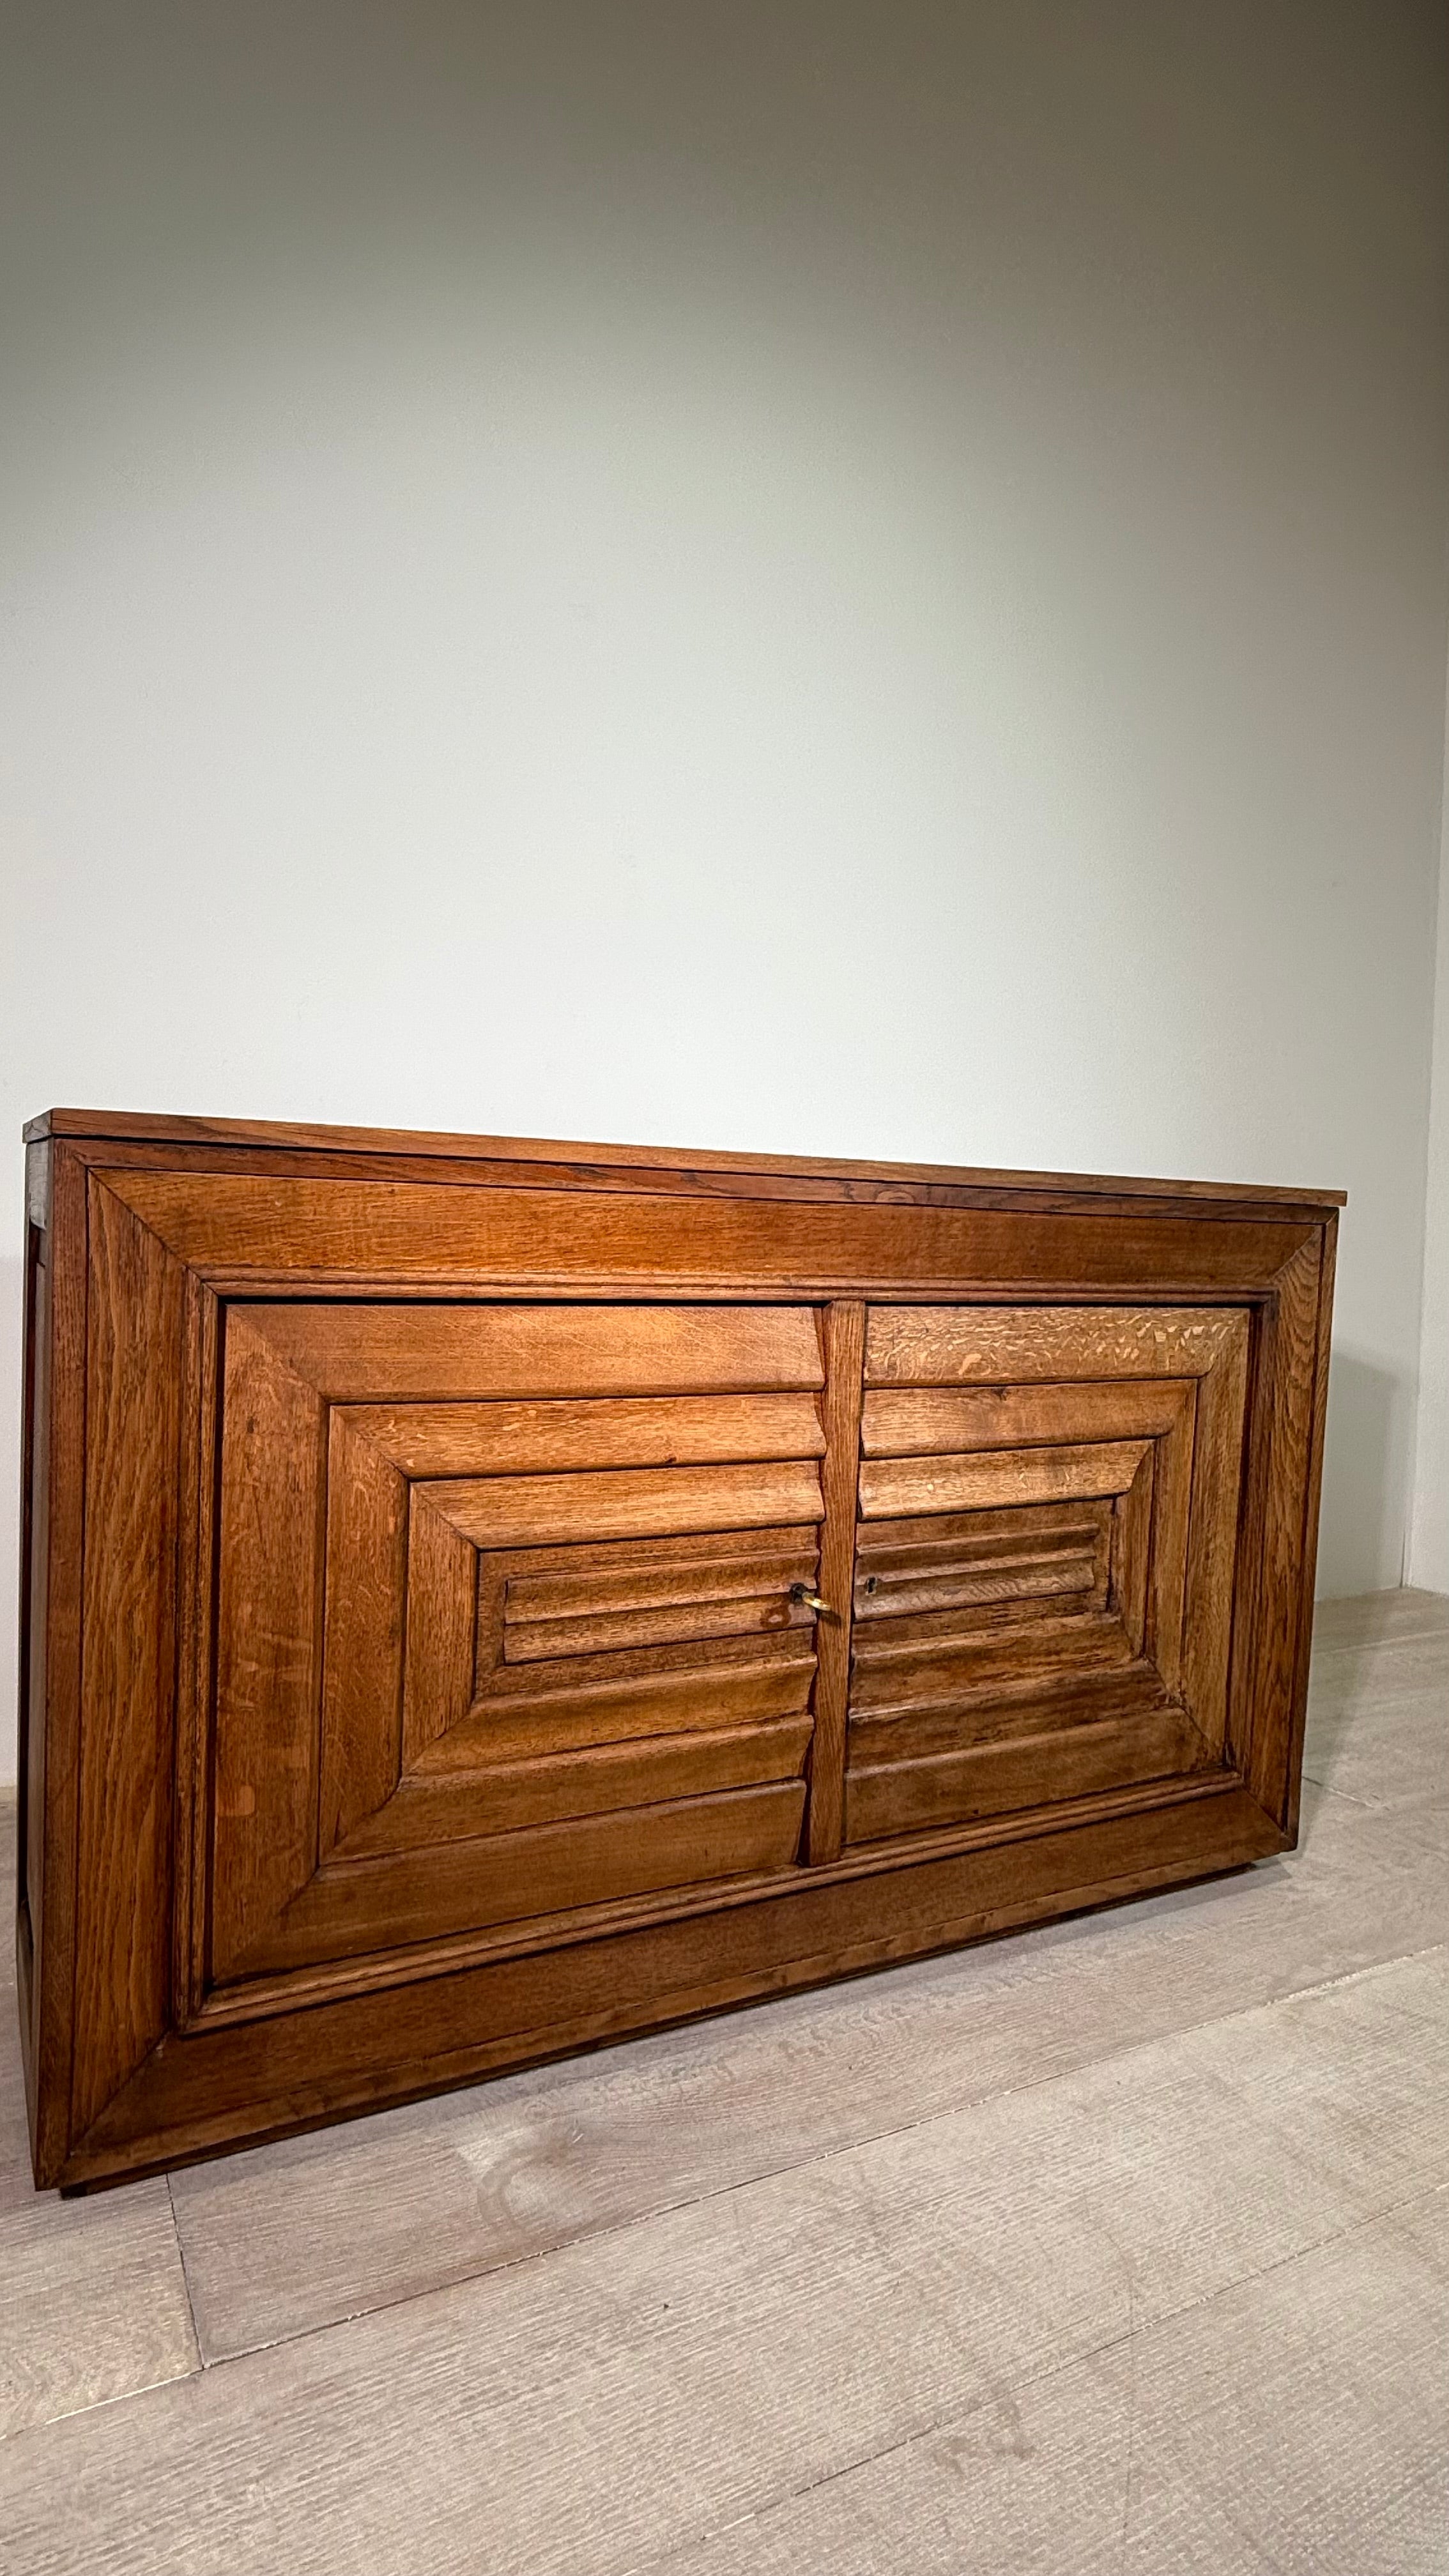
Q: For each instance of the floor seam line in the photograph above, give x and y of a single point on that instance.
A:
(201, 2362)
(702, 2199)
(100, 2405)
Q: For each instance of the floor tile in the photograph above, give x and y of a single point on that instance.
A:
(1379, 1618)
(1118, 2246)
(92, 2295)
(615, 2399)
(297, 2235)
(1378, 1726)
(1295, 2425)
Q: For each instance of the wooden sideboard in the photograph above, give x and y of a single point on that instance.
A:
(481, 1598)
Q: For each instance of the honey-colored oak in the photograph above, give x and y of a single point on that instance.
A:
(481, 1598)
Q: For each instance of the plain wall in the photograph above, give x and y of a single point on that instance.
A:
(862, 579)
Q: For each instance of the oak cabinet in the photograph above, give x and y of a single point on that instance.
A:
(481, 1598)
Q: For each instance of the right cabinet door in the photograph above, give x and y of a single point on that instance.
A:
(1043, 1591)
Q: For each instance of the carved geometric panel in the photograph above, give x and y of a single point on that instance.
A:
(1049, 1503)
(411, 1696)
(505, 1615)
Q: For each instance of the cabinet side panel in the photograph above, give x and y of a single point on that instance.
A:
(123, 1947)
(1277, 1565)
(1310, 1546)
(34, 1570)
(50, 1746)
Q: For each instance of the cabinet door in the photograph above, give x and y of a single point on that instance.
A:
(504, 1615)
(1044, 1564)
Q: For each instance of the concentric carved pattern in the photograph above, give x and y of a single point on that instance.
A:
(413, 1687)
(528, 1641)
(1049, 1500)
(505, 1624)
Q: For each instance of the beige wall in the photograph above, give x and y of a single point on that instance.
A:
(861, 578)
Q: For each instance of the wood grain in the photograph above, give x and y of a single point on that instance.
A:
(243, 1233)
(123, 1959)
(1035, 1770)
(51, 1713)
(519, 1455)
(502, 1439)
(260, 2076)
(34, 1601)
(270, 1592)
(355, 1354)
(1012, 1346)
(744, 1678)
(720, 1565)
(635, 1502)
(680, 1181)
(907, 1421)
(902, 1673)
(439, 1667)
(1135, 1551)
(948, 1542)
(1169, 1538)
(1214, 1598)
(639, 1773)
(417, 1895)
(925, 1682)
(290, 1137)
(844, 1355)
(1027, 1571)
(996, 1479)
(762, 1606)
(195, 1559)
(1282, 1533)
(1019, 1702)
(1307, 1572)
(362, 1658)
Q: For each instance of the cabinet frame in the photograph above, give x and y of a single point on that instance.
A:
(142, 1229)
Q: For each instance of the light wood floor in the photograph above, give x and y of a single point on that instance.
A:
(1121, 2246)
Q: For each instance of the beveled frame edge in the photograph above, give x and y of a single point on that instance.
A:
(1322, 1360)
(48, 1985)
(1082, 1864)
(254, 1984)
(197, 1542)
(49, 1739)
(340, 1764)
(121, 1136)
(505, 1250)
(1282, 1469)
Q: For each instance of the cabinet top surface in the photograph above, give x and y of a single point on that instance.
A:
(139, 1128)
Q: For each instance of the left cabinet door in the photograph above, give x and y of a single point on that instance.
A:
(503, 1618)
